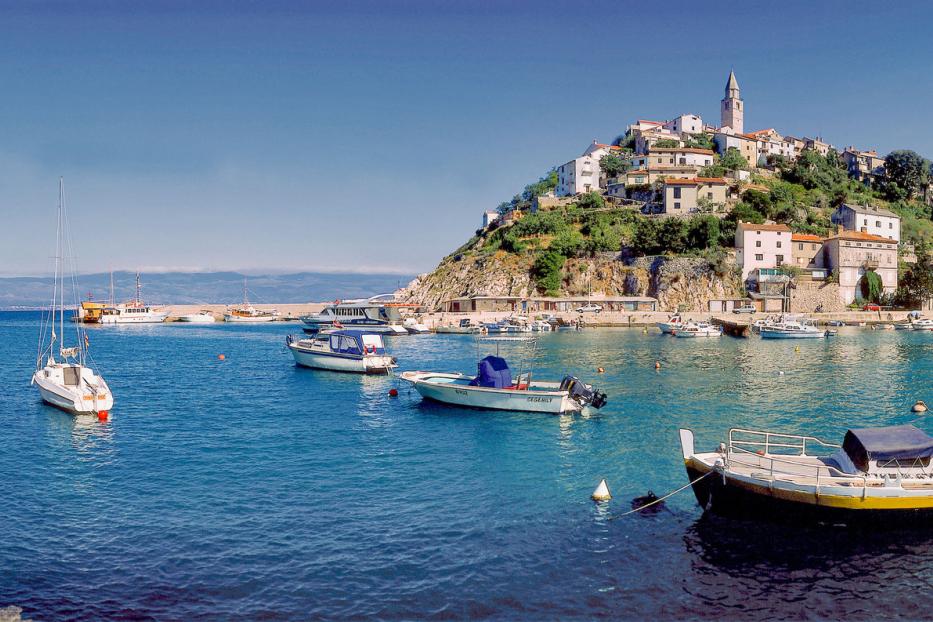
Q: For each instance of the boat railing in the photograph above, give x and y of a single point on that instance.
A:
(765, 441)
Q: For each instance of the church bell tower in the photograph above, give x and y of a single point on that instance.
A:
(732, 111)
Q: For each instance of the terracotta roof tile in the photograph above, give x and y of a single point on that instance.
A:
(861, 236)
(805, 237)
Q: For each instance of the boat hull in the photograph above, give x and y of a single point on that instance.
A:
(669, 327)
(770, 334)
(728, 496)
(369, 364)
(70, 399)
(149, 318)
(443, 390)
(241, 319)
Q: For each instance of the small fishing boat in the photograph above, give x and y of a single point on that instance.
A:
(670, 325)
(247, 313)
(354, 351)
(877, 473)
(835, 323)
(541, 326)
(465, 327)
(697, 329)
(493, 388)
(66, 380)
(201, 317)
(790, 328)
(414, 327)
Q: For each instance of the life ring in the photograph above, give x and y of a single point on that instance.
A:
(371, 349)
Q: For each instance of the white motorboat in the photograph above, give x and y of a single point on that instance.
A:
(201, 317)
(465, 327)
(63, 376)
(790, 327)
(672, 324)
(542, 326)
(697, 329)
(132, 312)
(883, 475)
(372, 314)
(493, 388)
(415, 327)
(354, 351)
(924, 324)
(247, 313)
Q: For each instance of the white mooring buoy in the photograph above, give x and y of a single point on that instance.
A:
(602, 492)
(919, 407)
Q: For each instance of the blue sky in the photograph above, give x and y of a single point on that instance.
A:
(271, 136)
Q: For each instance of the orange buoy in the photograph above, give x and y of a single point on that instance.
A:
(657, 364)
(221, 357)
(102, 415)
(393, 392)
(600, 370)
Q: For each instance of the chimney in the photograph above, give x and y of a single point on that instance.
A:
(839, 229)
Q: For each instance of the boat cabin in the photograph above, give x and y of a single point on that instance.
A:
(354, 343)
(892, 451)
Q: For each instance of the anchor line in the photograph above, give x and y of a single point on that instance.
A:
(660, 499)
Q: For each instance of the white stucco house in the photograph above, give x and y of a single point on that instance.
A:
(761, 246)
(868, 219)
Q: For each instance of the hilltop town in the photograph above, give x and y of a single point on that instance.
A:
(685, 215)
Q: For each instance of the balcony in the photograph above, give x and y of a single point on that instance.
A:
(870, 264)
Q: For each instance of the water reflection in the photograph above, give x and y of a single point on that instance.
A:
(90, 438)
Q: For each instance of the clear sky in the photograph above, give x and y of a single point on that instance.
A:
(372, 135)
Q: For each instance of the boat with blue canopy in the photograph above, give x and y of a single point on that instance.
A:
(355, 351)
(876, 473)
(494, 387)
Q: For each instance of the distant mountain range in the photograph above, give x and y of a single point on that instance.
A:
(206, 287)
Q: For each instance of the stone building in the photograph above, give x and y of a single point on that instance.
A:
(682, 197)
(805, 250)
(761, 246)
(868, 219)
(732, 108)
(854, 253)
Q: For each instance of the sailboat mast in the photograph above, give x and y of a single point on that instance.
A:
(137, 289)
(111, 289)
(59, 268)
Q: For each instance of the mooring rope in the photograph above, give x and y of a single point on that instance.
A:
(660, 499)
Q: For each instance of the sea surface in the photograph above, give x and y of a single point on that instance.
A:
(250, 489)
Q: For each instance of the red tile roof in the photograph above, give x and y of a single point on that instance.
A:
(861, 236)
(805, 237)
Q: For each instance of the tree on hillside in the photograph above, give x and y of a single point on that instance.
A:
(732, 160)
(701, 141)
(672, 235)
(612, 165)
(906, 173)
(546, 272)
(591, 200)
(812, 170)
(916, 286)
(703, 232)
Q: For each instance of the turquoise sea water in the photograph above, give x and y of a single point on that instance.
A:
(251, 489)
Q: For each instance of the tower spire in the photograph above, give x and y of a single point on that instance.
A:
(732, 110)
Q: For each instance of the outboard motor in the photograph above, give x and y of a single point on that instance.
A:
(582, 393)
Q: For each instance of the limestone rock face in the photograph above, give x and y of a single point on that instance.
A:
(686, 283)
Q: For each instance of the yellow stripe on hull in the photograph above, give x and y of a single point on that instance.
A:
(845, 502)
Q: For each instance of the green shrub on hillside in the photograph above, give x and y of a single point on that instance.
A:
(546, 271)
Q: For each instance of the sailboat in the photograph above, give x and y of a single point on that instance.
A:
(246, 312)
(62, 375)
(132, 312)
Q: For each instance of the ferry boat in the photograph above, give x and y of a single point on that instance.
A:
(493, 388)
(673, 323)
(790, 328)
(371, 314)
(355, 351)
(247, 313)
(63, 377)
(877, 473)
(697, 329)
(133, 312)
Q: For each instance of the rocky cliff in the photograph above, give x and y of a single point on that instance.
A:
(687, 283)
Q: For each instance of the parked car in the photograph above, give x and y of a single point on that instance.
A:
(871, 307)
(744, 309)
(590, 308)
